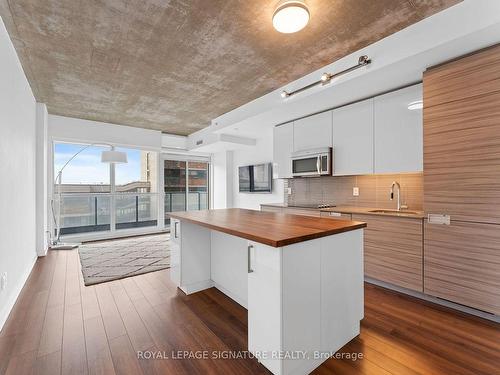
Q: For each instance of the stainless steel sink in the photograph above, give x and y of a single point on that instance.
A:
(402, 212)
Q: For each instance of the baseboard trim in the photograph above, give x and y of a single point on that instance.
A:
(436, 300)
(196, 287)
(231, 295)
(11, 301)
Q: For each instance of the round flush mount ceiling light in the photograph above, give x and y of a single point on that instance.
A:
(290, 16)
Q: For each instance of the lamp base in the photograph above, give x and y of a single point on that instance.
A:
(64, 246)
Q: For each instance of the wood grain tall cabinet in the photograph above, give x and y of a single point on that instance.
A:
(462, 180)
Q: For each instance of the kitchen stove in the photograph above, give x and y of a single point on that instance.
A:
(318, 206)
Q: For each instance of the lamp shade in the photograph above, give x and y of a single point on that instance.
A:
(113, 156)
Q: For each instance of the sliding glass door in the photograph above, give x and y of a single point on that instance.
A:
(186, 186)
(175, 187)
(197, 186)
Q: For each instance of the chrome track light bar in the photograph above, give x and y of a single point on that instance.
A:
(327, 77)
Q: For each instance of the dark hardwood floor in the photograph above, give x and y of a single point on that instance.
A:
(60, 326)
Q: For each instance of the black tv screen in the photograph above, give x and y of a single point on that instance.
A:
(256, 178)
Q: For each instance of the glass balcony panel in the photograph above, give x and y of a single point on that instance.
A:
(82, 213)
(135, 210)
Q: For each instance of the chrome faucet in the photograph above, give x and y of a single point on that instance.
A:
(395, 183)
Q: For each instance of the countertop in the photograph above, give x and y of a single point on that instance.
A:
(270, 228)
(356, 210)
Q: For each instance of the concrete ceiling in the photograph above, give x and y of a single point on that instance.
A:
(174, 65)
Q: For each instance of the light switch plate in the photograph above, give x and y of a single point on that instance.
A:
(355, 191)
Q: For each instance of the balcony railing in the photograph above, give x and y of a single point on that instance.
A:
(91, 212)
(177, 202)
(83, 213)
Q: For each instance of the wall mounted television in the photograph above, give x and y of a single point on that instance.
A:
(256, 178)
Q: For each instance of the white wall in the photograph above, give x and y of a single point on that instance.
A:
(86, 131)
(261, 153)
(17, 171)
(222, 179)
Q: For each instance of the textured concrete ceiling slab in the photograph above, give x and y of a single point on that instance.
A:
(173, 65)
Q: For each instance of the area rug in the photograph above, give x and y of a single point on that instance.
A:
(117, 259)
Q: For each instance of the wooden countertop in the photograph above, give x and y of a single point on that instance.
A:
(369, 211)
(356, 210)
(270, 228)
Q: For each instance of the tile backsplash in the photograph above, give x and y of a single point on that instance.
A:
(373, 190)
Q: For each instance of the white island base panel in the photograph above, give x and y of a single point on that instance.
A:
(304, 301)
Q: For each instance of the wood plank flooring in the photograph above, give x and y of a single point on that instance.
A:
(59, 326)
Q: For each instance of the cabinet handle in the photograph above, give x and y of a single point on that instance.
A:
(318, 165)
(175, 229)
(249, 265)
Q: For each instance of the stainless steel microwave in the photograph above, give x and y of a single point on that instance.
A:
(311, 163)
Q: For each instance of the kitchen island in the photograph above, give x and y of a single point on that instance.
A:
(301, 278)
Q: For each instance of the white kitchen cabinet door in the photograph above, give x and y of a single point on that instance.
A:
(313, 132)
(264, 304)
(353, 139)
(228, 259)
(398, 132)
(282, 150)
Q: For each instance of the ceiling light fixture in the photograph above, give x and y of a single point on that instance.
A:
(326, 78)
(290, 16)
(418, 104)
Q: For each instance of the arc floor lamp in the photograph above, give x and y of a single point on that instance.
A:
(108, 156)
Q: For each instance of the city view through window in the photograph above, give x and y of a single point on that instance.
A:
(92, 202)
(186, 186)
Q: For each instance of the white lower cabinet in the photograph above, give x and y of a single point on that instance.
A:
(190, 256)
(264, 304)
(229, 266)
(305, 300)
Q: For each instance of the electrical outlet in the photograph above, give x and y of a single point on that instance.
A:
(355, 191)
(289, 191)
(3, 281)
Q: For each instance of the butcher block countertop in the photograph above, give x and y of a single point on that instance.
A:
(270, 228)
(357, 210)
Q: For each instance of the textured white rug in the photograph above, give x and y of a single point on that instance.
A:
(116, 259)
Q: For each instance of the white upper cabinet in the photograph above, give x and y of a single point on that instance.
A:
(398, 132)
(282, 150)
(353, 139)
(313, 132)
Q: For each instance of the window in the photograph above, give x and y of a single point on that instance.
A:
(83, 195)
(136, 201)
(90, 200)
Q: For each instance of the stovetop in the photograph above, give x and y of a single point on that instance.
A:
(318, 206)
